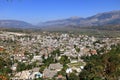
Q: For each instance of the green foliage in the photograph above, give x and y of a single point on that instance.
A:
(21, 67)
(5, 67)
(48, 61)
(42, 68)
(77, 49)
(39, 79)
(51, 59)
(73, 76)
(63, 71)
(29, 66)
(57, 51)
(64, 60)
(75, 46)
(101, 67)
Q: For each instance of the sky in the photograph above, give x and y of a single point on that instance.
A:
(35, 11)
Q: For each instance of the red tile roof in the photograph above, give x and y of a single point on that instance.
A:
(1, 49)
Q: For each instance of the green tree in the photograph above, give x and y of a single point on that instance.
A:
(102, 66)
(21, 67)
(64, 60)
(73, 76)
(77, 49)
(42, 68)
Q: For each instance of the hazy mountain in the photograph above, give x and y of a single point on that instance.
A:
(15, 24)
(101, 19)
(63, 22)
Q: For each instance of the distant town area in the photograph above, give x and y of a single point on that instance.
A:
(59, 39)
(57, 56)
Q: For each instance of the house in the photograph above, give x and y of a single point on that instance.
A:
(22, 75)
(56, 67)
(52, 70)
(27, 75)
(37, 58)
(93, 52)
(74, 61)
(35, 69)
(60, 77)
(1, 49)
(81, 67)
(35, 75)
(14, 67)
(47, 73)
(69, 70)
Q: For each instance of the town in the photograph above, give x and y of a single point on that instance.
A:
(48, 55)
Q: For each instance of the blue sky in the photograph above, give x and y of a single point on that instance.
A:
(35, 11)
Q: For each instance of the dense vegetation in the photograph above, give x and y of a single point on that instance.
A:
(102, 67)
(5, 64)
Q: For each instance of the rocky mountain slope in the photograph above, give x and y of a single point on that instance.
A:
(101, 19)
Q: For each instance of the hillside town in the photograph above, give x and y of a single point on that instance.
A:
(48, 55)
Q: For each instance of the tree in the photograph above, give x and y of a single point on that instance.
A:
(57, 51)
(48, 61)
(64, 60)
(77, 49)
(42, 68)
(21, 67)
(72, 76)
(39, 79)
(102, 66)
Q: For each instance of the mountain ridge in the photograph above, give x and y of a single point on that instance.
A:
(100, 19)
(15, 24)
(111, 18)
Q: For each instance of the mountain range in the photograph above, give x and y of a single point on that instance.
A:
(101, 19)
(15, 24)
(111, 18)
